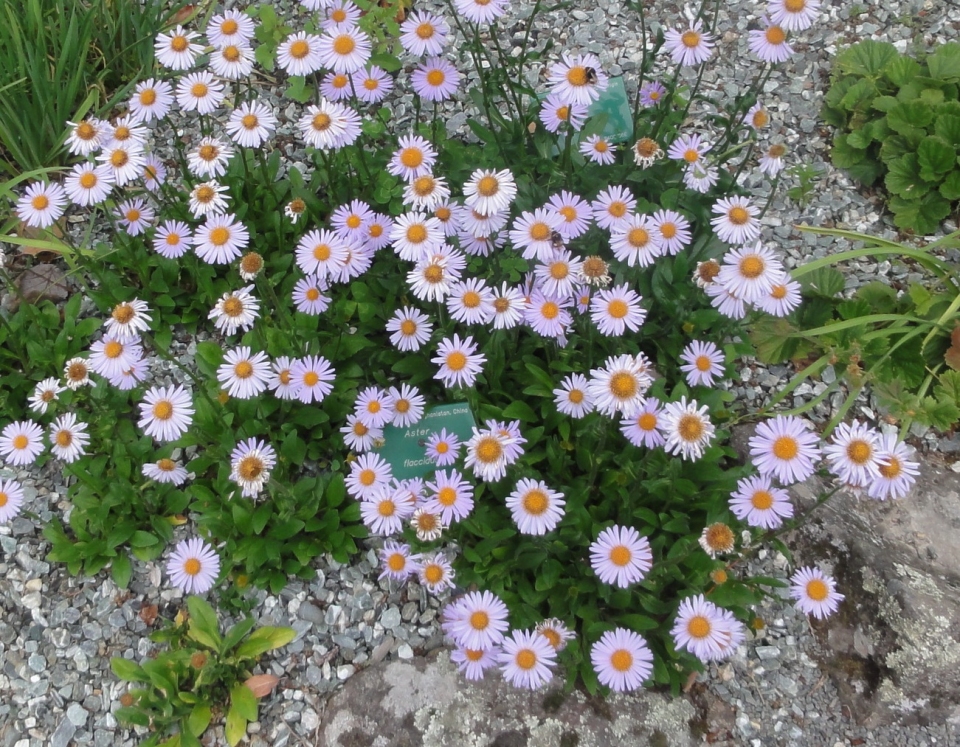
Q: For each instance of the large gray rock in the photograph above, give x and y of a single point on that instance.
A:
(426, 703)
(894, 646)
(43, 282)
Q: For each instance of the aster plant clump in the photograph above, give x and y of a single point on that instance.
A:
(578, 288)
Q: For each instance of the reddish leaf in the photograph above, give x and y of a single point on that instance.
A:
(262, 685)
(148, 613)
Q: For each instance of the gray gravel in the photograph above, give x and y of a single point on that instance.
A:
(58, 632)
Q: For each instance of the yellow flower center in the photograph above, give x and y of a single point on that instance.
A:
(535, 502)
(488, 186)
(20, 441)
(761, 118)
(471, 299)
(310, 378)
(433, 574)
(425, 30)
(367, 477)
(621, 660)
(386, 508)
(559, 270)
(719, 537)
(456, 361)
(691, 155)
(859, 452)
(249, 121)
(119, 158)
(563, 112)
(647, 421)
(447, 496)
(738, 215)
(794, 6)
(219, 236)
(397, 562)
(86, 131)
(192, 567)
(321, 252)
(179, 43)
(620, 555)
(550, 310)
(436, 77)
(299, 49)
(617, 308)
(786, 447)
(243, 370)
(892, 469)
(775, 35)
(408, 327)
(205, 194)
(233, 306)
(411, 157)
(208, 152)
(762, 500)
(88, 180)
(40, 202)
(113, 349)
(433, 274)
(690, 428)
(703, 363)
(600, 146)
(698, 627)
(417, 233)
(121, 133)
(646, 147)
(166, 465)
(668, 230)
(479, 620)
(321, 122)
(617, 209)
(163, 410)
(402, 406)
(577, 76)
(623, 385)
(489, 450)
(172, 239)
(752, 266)
(231, 53)
(312, 294)
(817, 590)
(133, 215)
(344, 44)
(64, 438)
(690, 39)
(526, 659)
(123, 313)
(199, 90)
(229, 27)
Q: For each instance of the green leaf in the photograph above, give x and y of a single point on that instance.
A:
(860, 96)
(143, 539)
(121, 569)
(921, 216)
(204, 626)
(940, 415)
(881, 298)
(948, 387)
(950, 188)
(298, 90)
(947, 127)
(944, 63)
(868, 58)
(132, 715)
(901, 70)
(844, 155)
(390, 63)
(263, 640)
(904, 178)
(520, 410)
(235, 728)
(209, 357)
(244, 701)
(936, 158)
(910, 118)
(826, 282)
(199, 719)
(773, 339)
(236, 634)
(128, 670)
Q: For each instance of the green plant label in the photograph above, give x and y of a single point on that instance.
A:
(613, 102)
(404, 448)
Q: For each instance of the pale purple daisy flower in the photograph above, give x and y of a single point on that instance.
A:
(369, 473)
(784, 296)
(300, 54)
(471, 302)
(509, 306)
(443, 448)
(166, 413)
(199, 92)
(735, 220)
(480, 620)
(729, 304)
(21, 442)
(415, 156)
(472, 662)
(771, 163)
(635, 241)
(194, 566)
(616, 310)
(898, 470)
(652, 93)
(281, 381)
(230, 27)
(816, 592)
(703, 363)
(111, 355)
(643, 429)
(621, 556)
(701, 177)
(535, 508)
(555, 111)
(172, 239)
(853, 454)
(177, 50)
(687, 428)
(575, 212)
(251, 124)
(87, 136)
(423, 33)
(408, 405)
(548, 316)
(435, 79)
(44, 393)
(489, 192)
(689, 149)
(532, 231)
(770, 43)
(384, 512)
(691, 46)
(556, 273)
(359, 437)
(165, 471)
(759, 503)
(42, 204)
(309, 295)
(321, 253)
(527, 659)
(619, 386)
(572, 398)
(250, 464)
(409, 329)
(578, 79)
(598, 149)
(314, 377)
(481, 11)
(337, 13)
(221, 239)
(757, 117)
(436, 572)
(372, 85)
(135, 216)
(243, 373)
(622, 660)
(396, 561)
(88, 184)
(11, 500)
(794, 15)
(613, 206)
(673, 230)
(786, 448)
(450, 497)
(344, 49)
(700, 628)
(68, 437)
(374, 407)
(459, 361)
(336, 86)
(748, 272)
